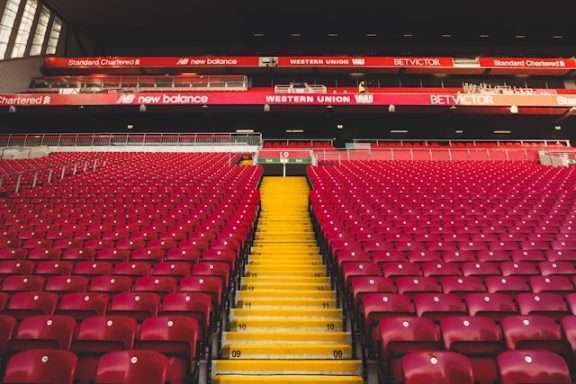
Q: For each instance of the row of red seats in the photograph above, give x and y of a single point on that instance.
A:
(458, 257)
(63, 367)
(174, 335)
(152, 234)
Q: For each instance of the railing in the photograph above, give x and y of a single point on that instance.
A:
(558, 158)
(473, 142)
(130, 139)
(427, 154)
(111, 83)
(15, 182)
(307, 143)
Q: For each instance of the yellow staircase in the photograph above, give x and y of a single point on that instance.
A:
(286, 326)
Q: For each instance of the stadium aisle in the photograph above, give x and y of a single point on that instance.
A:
(286, 326)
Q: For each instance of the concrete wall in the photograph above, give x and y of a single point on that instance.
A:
(15, 75)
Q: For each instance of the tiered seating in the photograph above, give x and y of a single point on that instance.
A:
(122, 272)
(44, 170)
(457, 270)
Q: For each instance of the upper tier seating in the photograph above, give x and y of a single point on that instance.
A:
(476, 258)
(140, 254)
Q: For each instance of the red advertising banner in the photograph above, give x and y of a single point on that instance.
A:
(364, 62)
(525, 63)
(151, 62)
(448, 64)
(262, 97)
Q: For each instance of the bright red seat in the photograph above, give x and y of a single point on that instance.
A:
(479, 338)
(132, 367)
(136, 305)
(496, 306)
(41, 366)
(537, 367)
(82, 305)
(438, 306)
(176, 337)
(98, 335)
(43, 332)
(24, 304)
(436, 367)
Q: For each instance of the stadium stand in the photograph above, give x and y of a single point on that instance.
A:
(103, 253)
(461, 264)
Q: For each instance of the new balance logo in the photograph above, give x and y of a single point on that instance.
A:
(126, 99)
(183, 61)
(364, 99)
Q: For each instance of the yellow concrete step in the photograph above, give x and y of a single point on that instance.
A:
(315, 302)
(286, 351)
(286, 379)
(275, 337)
(279, 273)
(274, 269)
(283, 285)
(254, 323)
(299, 312)
(286, 367)
(285, 293)
(287, 279)
(286, 261)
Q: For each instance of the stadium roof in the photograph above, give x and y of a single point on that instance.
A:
(407, 27)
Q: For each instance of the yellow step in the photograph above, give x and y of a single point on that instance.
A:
(317, 302)
(287, 279)
(274, 337)
(286, 261)
(286, 379)
(287, 351)
(286, 367)
(253, 323)
(273, 269)
(283, 285)
(287, 312)
(278, 273)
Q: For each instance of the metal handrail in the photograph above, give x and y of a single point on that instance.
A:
(85, 165)
(130, 139)
(471, 141)
(431, 153)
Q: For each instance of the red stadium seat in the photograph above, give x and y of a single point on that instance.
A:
(98, 335)
(24, 304)
(41, 366)
(436, 367)
(82, 305)
(529, 366)
(43, 332)
(136, 305)
(132, 367)
(438, 306)
(479, 338)
(177, 338)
